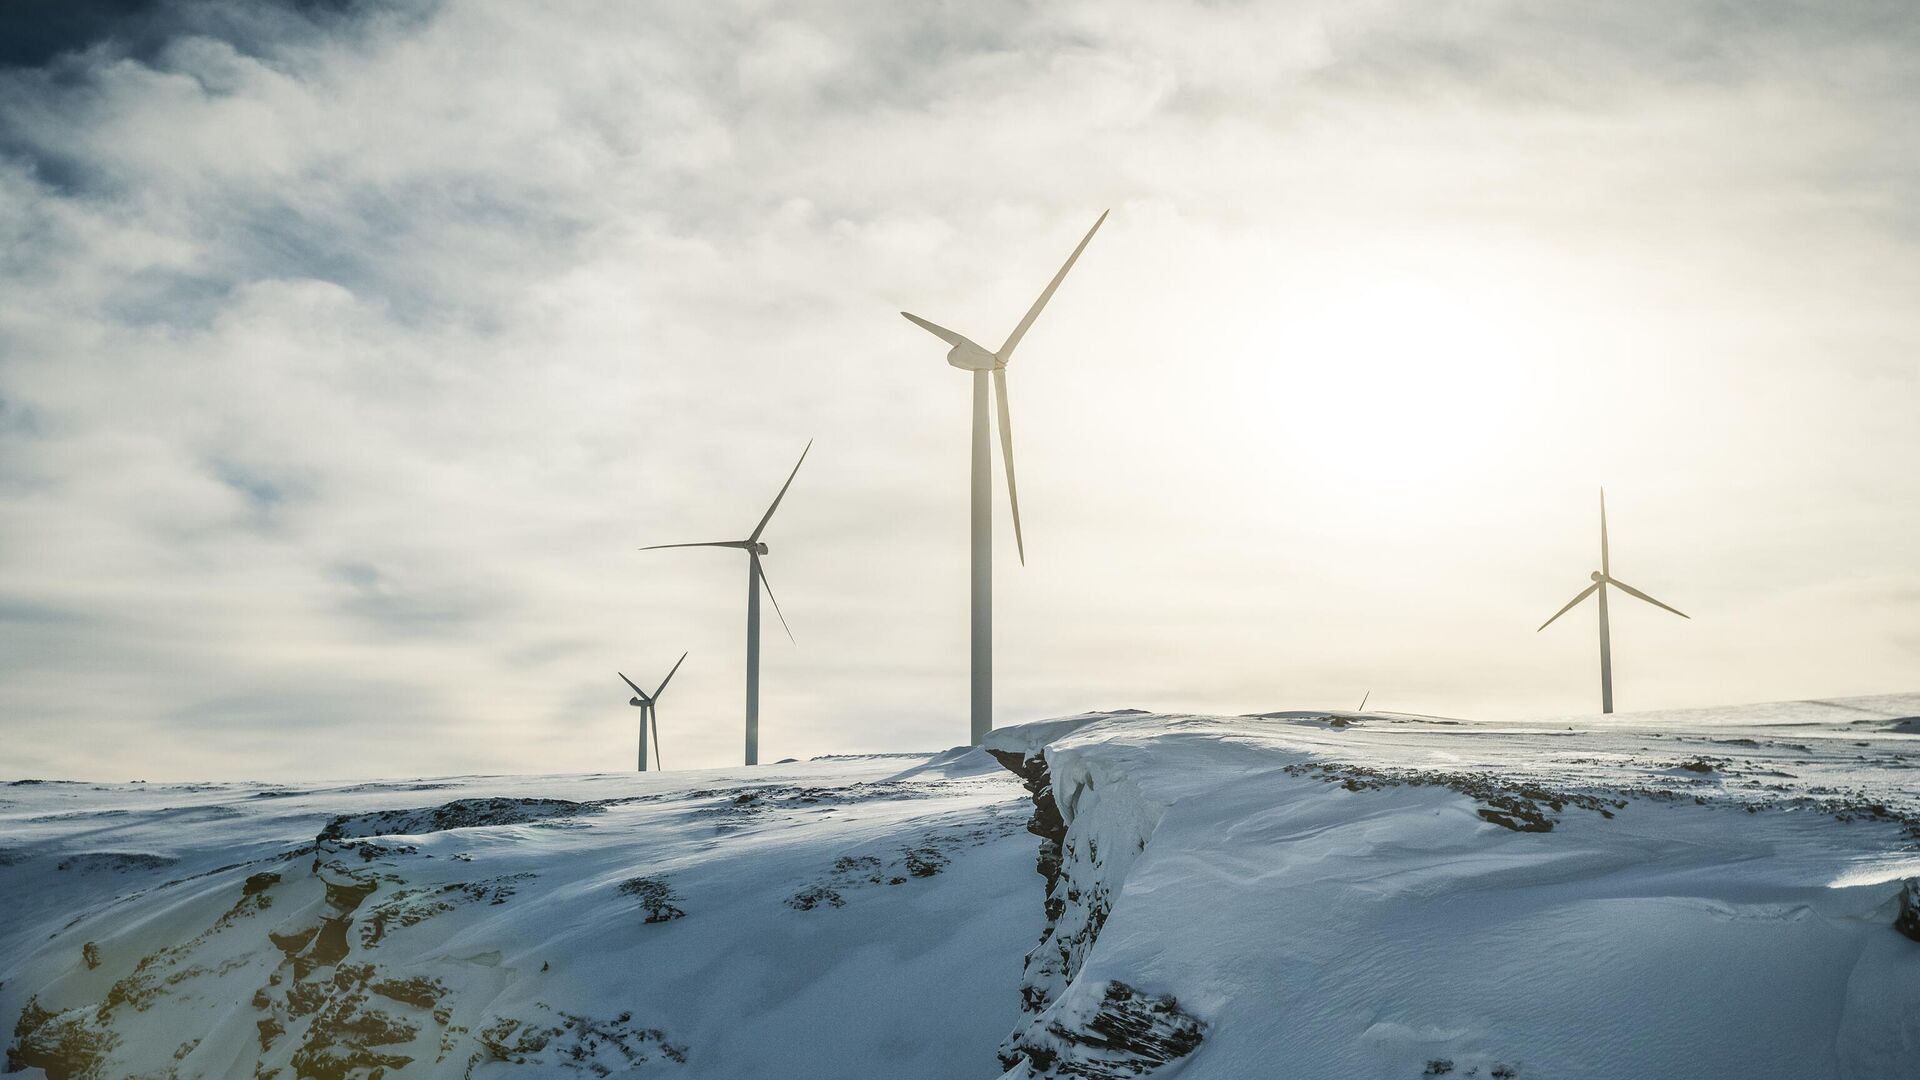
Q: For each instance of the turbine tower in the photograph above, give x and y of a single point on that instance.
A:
(968, 356)
(756, 580)
(1602, 578)
(649, 714)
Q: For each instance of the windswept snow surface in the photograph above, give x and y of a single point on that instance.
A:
(1704, 894)
(1686, 894)
(820, 919)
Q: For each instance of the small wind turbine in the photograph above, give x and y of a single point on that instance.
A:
(756, 579)
(1602, 578)
(968, 356)
(649, 712)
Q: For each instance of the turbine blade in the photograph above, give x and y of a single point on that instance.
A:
(669, 678)
(710, 543)
(1006, 454)
(1631, 591)
(935, 329)
(776, 604)
(654, 715)
(1363, 701)
(1605, 568)
(642, 694)
(1013, 339)
(1584, 593)
(758, 529)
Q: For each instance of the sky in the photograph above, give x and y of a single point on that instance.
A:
(350, 351)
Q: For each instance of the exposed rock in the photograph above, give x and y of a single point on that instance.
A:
(67, 1046)
(1130, 1033)
(1908, 921)
(575, 1042)
(655, 896)
(458, 814)
(808, 899)
(117, 861)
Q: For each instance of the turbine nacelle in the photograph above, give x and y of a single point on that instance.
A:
(635, 701)
(968, 356)
(1596, 576)
(758, 547)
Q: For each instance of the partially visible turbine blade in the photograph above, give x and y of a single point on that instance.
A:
(1631, 591)
(935, 329)
(655, 717)
(1584, 593)
(1605, 568)
(1363, 701)
(642, 694)
(1013, 339)
(1006, 454)
(758, 529)
(776, 604)
(669, 678)
(710, 543)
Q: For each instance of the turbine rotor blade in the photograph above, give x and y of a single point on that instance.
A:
(642, 694)
(1006, 454)
(669, 678)
(1631, 591)
(776, 604)
(935, 329)
(1605, 567)
(1363, 701)
(654, 715)
(1584, 593)
(1013, 339)
(758, 529)
(710, 543)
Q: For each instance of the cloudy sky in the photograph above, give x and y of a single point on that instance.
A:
(348, 351)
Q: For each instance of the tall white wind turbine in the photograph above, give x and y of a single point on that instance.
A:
(649, 712)
(1602, 578)
(968, 356)
(756, 580)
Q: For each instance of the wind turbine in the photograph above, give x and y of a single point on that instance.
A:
(1602, 578)
(756, 579)
(649, 713)
(968, 356)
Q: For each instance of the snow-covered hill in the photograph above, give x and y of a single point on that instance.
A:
(1696, 894)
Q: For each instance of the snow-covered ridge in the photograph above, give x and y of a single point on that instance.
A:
(1726, 893)
(1705, 893)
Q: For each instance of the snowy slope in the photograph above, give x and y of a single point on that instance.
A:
(1694, 894)
(1698, 894)
(810, 920)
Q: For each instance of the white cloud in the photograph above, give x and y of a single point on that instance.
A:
(344, 363)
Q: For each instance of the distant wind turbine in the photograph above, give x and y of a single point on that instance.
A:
(649, 712)
(1602, 578)
(968, 356)
(756, 579)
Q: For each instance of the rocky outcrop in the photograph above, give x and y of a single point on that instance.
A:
(1125, 1032)
(459, 814)
(1128, 1034)
(1908, 921)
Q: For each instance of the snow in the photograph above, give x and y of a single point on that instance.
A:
(1392, 929)
(524, 920)
(1704, 893)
